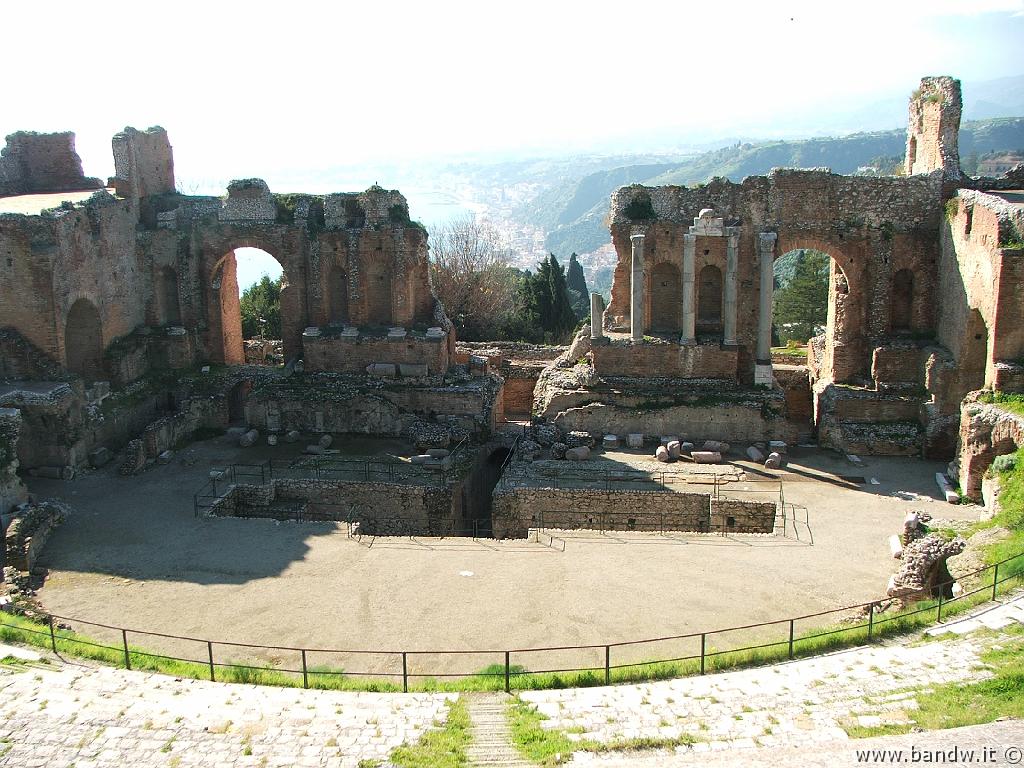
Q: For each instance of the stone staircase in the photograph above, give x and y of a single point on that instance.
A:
(492, 738)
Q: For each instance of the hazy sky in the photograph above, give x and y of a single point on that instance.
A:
(247, 87)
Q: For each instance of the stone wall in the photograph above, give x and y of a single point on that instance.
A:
(42, 162)
(515, 511)
(12, 491)
(413, 356)
(622, 357)
(143, 163)
(986, 431)
(28, 531)
(384, 509)
(933, 128)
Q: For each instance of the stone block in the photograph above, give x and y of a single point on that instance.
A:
(706, 457)
(100, 457)
(896, 546)
(412, 370)
(755, 455)
(326, 441)
(610, 441)
(165, 457)
(558, 450)
(438, 453)
(946, 489)
(249, 438)
(635, 440)
(662, 454)
(423, 458)
(385, 370)
(673, 448)
(271, 439)
(716, 446)
(579, 453)
(685, 447)
(292, 436)
(777, 446)
(774, 461)
(666, 439)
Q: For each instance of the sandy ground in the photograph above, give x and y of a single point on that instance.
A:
(134, 555)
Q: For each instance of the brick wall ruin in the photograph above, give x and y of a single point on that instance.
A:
(933, 128)
(42, 162)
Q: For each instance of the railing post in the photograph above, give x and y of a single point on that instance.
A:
(703, 643)
(791, 623)
(938, 615)
(405, 672)
(53, 637)
(209, 655)
(305, 674)
(508, 673)
(995, 580)
(127, 659)
(871, 620)
(607, 665)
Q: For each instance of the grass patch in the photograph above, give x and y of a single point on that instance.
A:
(955, 705)
(443, 748)
(551, 746)
(1007, 401)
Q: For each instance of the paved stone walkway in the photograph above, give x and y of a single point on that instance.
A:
(492, 740)
(804, 702)
(101, 717)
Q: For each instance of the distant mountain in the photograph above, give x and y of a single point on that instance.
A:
(575, 214)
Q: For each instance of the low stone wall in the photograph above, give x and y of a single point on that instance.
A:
(379, 508)
(632, 358)
(340, 355)
(855, 420)
(515, 511)
(28, 532)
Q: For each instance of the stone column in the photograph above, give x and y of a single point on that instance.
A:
(689, 311)
(596, 316)
(766, 252)
(636, 285)
(732, 259)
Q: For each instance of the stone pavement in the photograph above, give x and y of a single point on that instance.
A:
(102, 717)
(799, 703)
(492, 740)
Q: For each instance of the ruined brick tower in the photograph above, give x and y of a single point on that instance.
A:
(933, 127)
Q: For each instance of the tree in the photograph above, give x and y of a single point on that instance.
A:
(801, 303)
(261, 309)
(546, 311)
(579, 296)
(471, 276)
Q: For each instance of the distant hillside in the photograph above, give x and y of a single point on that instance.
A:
(575, 213)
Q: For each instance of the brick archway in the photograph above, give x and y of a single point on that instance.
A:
(83, 341)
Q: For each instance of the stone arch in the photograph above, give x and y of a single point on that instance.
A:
(843, 354)
(168, 303)
(337, 295)
(709, 300)
(901, 303)
(666, 298)
(225, 309)
(83, 341)
(379, 285)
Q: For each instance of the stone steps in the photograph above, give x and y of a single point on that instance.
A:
(492, 737)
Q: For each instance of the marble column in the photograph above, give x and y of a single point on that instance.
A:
(636, 285)
(732, 259)
(596, 316)
(766, 253)
(689, 311)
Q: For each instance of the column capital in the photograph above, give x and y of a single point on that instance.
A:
(690, 239)
(767, 240)
(637, 238)
(731, 232)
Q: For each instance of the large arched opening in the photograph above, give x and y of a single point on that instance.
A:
(800, 299)
(165, 294)
(666, 298)
(251, 289)
(379, 279)
(83, 341)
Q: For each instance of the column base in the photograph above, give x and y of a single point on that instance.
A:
(730, 345)
(762, 374)
(687, 342)
(599, 341)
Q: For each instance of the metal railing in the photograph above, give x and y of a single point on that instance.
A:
(508, 665)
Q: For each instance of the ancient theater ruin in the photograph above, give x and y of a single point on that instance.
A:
(120, 336)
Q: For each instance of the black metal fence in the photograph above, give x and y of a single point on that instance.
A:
(517, 668)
